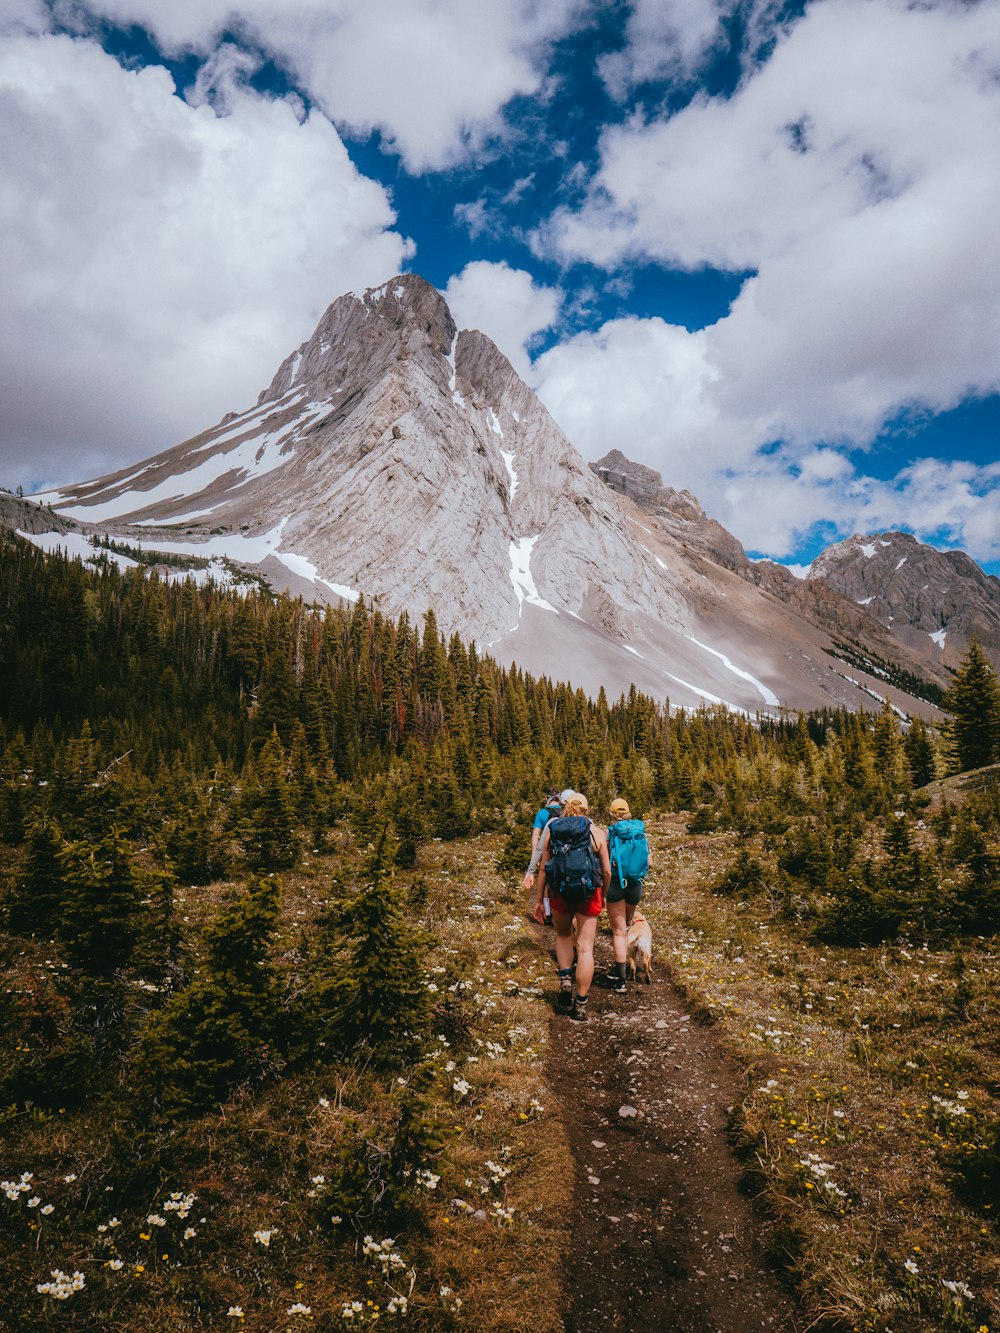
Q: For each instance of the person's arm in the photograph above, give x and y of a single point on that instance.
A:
(536, 855)
(538, 907)
(529, 874)
(601, 844)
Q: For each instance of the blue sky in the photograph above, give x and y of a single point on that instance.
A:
(752, 245)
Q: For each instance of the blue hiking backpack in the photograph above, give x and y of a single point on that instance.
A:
(629, 850)
(573, 869)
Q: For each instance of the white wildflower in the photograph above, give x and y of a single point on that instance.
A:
(958, 1289)
(62, 1286)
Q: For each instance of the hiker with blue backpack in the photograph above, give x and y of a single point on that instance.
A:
(628, 852)
(576, 869)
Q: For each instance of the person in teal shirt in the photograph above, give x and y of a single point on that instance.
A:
(554, 803)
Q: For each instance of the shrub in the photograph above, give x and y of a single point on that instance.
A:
(218, 1032)
(369, 988)
(745, 876)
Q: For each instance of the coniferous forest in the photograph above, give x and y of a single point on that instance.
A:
(236, 834)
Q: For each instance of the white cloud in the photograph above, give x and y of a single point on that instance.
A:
(159, 261)
(649, 389)
(661, 41)
(855, 172)
(639, 385)
(504, 303)
(432, 75)
(21, 16)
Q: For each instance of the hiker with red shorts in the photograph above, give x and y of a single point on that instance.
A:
(575, 859)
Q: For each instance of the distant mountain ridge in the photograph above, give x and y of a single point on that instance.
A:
(396, 457)
(887, 585)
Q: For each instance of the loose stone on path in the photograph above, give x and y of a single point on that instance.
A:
(663, 1239)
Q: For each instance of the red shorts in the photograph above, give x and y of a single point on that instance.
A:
(593, 907)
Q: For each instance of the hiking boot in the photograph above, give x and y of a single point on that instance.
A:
(616, 983)
(579, 1010)
(565, 992)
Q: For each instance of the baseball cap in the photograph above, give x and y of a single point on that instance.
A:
(620, 808)
(565, 795)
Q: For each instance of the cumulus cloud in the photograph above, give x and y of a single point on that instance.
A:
(158, 260)
(853, 173)
(504, 303)
(650, 389)
(661, 41)
(431, 75)
(642, 386)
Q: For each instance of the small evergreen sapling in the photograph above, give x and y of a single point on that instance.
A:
(370, 990)
(220, 1031)
(973, 730)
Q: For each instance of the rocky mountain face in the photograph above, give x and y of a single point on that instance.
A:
(886, 591)
(398, 458)
(932, 601)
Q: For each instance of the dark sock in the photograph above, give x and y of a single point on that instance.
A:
(564, 971)
(581, 1000)
(620, 971)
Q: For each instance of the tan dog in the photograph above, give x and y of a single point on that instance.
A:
(640, 948)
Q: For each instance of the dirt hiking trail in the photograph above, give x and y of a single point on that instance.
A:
(664, 1241)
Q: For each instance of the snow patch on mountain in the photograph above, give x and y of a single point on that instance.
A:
(508, 459)
(176, 521)
(305, 569)
(521, 576)
(453, 380)
(767, 695)
(252, 458)
(241, 424)
(76, 544)
(709, 698)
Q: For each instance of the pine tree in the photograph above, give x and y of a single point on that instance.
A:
(219, 1032)
(920, 753)
(369, 991)
(973, 729)
(268, 823)
(34, 903)
(98, 919)
(886, 746)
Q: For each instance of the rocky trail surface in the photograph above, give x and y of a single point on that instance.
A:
(663, 1238)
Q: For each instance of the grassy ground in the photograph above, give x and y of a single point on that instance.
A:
(870, 1074)
(225, 1221)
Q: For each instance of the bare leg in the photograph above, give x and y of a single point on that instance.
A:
(586, 930)
(564, 939)
(619, 930)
